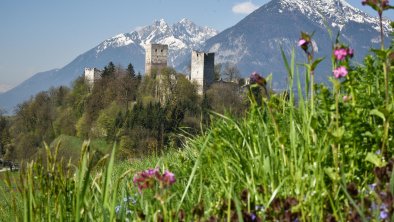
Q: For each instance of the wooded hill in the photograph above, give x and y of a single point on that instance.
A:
(141, 114)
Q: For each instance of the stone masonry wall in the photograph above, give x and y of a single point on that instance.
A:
(155, 58)
(92, 75)
(202, 70)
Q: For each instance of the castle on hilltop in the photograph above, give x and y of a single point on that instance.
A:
(156, 57)
(202, 65)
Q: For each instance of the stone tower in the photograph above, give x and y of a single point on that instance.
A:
(92, 75)
(202, 70)
(155, 58)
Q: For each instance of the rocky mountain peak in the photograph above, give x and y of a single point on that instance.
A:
(255, 43)
(335, 13)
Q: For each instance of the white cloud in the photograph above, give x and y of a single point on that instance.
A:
(5, 87)
(138, 28)
(244, 8)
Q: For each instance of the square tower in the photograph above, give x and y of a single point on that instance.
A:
(92, 75)
(202, 70)
(155, 58)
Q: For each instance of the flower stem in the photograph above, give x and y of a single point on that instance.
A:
(312, 93)
(381, 30)
(386, 83)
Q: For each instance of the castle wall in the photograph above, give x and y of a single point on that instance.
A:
(202, 70)
(156, 56)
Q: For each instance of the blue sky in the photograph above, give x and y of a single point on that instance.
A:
(41, 35)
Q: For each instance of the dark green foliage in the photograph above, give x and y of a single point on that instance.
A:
(6, 148)
(130, 71)
(109, 70)
(143, 114)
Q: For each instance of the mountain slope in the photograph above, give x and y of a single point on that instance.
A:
(122, 49)
(254, 43)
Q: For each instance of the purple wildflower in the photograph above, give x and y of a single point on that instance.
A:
(372, 186)
(117, 209)
(253, 217)
(151, 172)
(130, 199)
(383, 214)
(168, 178)
(340, 72)
(145, 179)
(384, 3)
(256, 78)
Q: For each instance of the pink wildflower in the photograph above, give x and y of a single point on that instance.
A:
(302, 42)
(340, 72)
(148, 178)
(145, 179)
(346, 98)
(350, 52)
(340, 54)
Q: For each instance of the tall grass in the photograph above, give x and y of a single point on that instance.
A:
(287, 160)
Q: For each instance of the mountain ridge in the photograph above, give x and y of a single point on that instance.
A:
(122, 49)
(255, 42)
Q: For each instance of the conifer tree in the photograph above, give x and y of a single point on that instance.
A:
(109, 70)
(130, 70)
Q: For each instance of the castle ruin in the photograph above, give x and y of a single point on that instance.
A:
(202, 70)
(155, 58)
(92, 75)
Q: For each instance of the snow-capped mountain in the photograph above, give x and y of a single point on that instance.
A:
(181, 37)
(335, 13)
(122, 49)
(254, 43)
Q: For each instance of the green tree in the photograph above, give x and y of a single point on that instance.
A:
(4, 133)
(108, 122)
(139, 77)
(109, 70)
(130, 71)
(226, 97)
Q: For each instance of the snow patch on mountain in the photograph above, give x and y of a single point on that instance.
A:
(181, 38)
(334, 12)
(115, 42)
